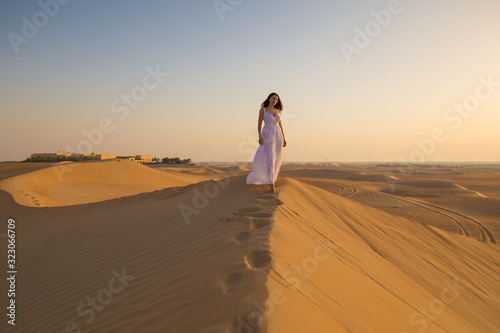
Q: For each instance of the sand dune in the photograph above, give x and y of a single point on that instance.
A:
(377, 275)
(451, 207)
(198, 255)
(327, 173)
(235, 168)
(79, 183)
(14, 169)
(203, 169)
(431, 184)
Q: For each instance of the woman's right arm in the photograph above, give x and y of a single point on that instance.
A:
(261, 117)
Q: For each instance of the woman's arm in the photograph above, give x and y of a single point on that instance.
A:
(259, 126)
(279, 123)
(282, 132)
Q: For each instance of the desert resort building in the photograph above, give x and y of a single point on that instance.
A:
(93, 156)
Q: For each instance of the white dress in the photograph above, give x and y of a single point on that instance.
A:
(267, 161)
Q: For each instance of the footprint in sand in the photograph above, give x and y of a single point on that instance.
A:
(257, 212)
(228, 217)
(242, 237)
(258, 217)
(231, 281)
(248, 210)
(246, 321)
(258, 259)
(267, 196)
(270, 202)
(233, 217)
(258, 223)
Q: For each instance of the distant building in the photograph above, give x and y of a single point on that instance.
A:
(93, 156)
(138, 158)
(105, 156)
(144, 158)
(49, 155)
(131, 158)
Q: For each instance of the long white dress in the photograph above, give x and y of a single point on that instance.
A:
(267, 161)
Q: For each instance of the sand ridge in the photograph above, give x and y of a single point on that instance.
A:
(217, 255)
(78, 183)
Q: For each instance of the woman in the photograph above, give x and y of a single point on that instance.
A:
(267, 161)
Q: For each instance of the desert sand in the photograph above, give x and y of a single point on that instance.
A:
(116, 246)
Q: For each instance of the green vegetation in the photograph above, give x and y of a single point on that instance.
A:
(175, 160)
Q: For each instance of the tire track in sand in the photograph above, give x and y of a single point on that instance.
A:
(461, 221)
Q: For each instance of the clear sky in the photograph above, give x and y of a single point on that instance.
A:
(379, 80)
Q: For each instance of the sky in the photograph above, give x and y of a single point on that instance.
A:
(359, 80)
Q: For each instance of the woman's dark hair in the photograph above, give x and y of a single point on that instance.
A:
(278, 106)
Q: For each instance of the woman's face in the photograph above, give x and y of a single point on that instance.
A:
(273, 100)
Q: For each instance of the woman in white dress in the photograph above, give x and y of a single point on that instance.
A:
(267, 161)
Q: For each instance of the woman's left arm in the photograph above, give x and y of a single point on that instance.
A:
(282, 132)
